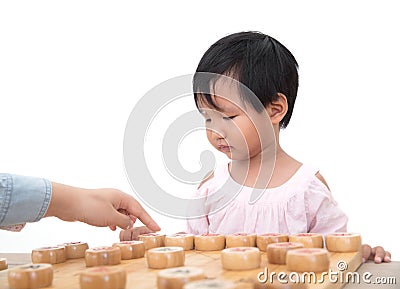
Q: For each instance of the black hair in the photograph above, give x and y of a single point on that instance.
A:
(256, 60)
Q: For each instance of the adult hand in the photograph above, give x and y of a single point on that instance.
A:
(97, 207)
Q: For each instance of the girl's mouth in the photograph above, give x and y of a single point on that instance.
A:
(224, 148)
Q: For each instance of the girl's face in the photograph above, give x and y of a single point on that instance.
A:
(234, 128)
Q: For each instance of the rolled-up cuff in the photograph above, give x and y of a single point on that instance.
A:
(23, 199)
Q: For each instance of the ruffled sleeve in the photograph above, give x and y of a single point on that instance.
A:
(323, 213)
(206, 191)
(198, 225)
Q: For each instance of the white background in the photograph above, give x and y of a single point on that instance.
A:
(71, 72)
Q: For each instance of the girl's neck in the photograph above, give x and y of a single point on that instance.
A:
(254, 172)
(264, 171)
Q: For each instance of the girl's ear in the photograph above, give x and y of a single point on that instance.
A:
(277, 109)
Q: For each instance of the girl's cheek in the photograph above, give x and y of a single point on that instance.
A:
(209, 137)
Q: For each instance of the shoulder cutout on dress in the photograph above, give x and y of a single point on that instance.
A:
(209, 176)
(321, 178)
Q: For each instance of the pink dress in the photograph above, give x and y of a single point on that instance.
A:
(302, 204)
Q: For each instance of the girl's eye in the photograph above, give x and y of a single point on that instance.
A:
(229, 117)
(208, 119)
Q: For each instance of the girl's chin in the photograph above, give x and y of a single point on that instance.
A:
(234, 157)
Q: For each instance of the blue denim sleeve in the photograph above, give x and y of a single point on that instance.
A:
(23, 199)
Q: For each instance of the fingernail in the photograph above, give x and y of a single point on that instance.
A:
(387, 259)
(363, 260)
(378, 259)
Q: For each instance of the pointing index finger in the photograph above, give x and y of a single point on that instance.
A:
(136, 209)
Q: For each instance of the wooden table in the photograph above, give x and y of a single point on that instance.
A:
(68, 271)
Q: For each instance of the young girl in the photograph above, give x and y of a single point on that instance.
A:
(285, 195)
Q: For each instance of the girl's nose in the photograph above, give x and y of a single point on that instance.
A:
(218, 128)
(218, 133)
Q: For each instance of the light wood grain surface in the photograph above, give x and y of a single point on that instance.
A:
(66, 275)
